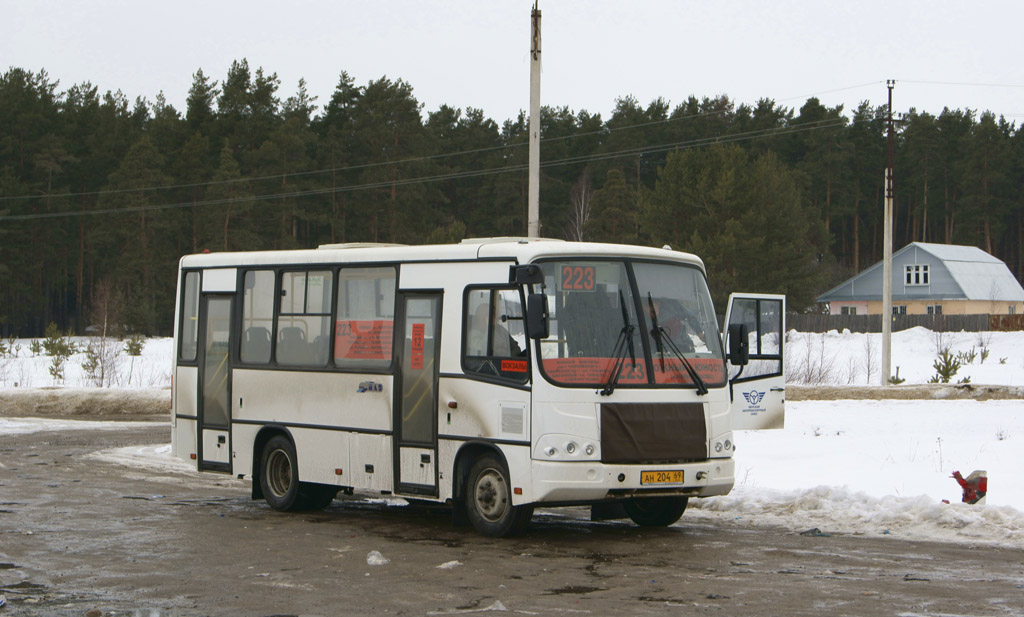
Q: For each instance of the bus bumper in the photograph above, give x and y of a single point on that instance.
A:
(592, 481)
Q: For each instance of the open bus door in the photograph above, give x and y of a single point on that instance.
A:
(757, 388)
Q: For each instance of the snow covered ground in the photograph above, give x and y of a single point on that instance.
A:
(868, 467)
(883, 467)
(839, 359)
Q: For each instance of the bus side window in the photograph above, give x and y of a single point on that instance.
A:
(189, 318)
(257, 317)
(303, 325)
(494, 339)
(365, 318)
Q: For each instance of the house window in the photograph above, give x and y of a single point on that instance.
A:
(848, 310)
(916, 274)
(1013, 309)
(934, 309)
(899, 310)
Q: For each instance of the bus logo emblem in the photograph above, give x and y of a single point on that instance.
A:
(753, 397)
(370, 386)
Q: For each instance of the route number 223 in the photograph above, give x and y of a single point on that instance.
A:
(578, 278)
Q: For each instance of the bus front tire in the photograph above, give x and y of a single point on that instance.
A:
(488, 500)
(655, 511)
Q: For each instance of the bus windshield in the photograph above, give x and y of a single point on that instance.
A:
(630, 324)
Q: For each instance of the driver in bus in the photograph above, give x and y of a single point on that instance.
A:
(680, 323)
(502, 343)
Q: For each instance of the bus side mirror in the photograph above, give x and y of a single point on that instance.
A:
(537, 316)
(529, 274)
(739, 344)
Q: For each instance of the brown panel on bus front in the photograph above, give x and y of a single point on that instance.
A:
(653, 432)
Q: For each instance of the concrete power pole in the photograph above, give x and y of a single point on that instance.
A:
(887, 247)
(533, 210)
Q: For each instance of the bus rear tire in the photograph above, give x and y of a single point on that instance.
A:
(655, 511)
(279, 475)
(488, 500)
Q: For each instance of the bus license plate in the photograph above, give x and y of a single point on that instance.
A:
(661, 477)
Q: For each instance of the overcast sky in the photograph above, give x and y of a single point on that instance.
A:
(475, 53)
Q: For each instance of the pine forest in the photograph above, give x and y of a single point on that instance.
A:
(100, 196)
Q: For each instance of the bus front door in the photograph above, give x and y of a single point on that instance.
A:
(214, 400)
(416, 394)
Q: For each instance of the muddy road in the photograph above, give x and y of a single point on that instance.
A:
(79, 534)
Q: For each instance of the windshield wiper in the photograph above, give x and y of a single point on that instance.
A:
(623, 345)
(661, 337)
(656, 330)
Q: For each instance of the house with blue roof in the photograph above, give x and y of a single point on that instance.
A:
(932, 279)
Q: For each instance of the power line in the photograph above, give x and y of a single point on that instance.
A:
(683, 145)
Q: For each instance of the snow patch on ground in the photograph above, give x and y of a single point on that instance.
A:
(24, 426)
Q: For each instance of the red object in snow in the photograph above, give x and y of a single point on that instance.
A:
(975, 486)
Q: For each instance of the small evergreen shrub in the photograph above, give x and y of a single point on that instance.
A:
(946, 366)
(134, 344)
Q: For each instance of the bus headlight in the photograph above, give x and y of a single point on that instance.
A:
(566, 448)
(722, 448)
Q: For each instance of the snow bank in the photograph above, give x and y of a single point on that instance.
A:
(832, 510)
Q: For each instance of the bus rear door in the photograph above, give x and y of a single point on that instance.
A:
(214, 396)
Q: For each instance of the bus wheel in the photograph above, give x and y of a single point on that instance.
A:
(655, 511)
(279, 475)
(489, 500)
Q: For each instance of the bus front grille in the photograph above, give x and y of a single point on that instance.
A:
(654, 433)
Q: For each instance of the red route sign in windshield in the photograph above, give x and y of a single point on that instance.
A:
(592, 371)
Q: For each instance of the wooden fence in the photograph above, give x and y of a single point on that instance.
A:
(936, 323)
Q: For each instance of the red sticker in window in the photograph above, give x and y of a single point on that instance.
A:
(416, 357)
(513, 366)
(362, 339)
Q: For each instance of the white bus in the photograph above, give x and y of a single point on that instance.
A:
(495, 375)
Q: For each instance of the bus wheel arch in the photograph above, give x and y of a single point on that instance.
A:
(276, 473)
(484, 492)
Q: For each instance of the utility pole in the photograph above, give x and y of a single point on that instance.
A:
(887, 317)
(533, 203)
